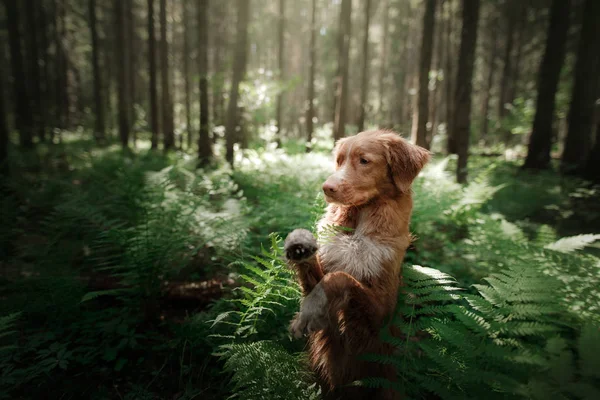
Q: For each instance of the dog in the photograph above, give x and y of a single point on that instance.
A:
(350, 279)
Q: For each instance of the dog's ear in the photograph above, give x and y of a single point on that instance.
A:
(405, 160)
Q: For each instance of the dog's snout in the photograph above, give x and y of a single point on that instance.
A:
(329, 188)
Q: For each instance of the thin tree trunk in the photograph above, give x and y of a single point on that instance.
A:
(63, 81)
(364, 86)
(45, 71)
(167, 104)
(3, 127)
(22, 104)
(514, 86)
(540, 141)
(341, 103)
(153, 112)
(204, 143)
(34, 75)
(123, 89)
(485, 110)
(592, 169)
(310, 112)
(281, 67)
(507, 72)
(186, 72)
(419, 129)
(578, 142)
(384, 57)
(464, 84)
(99, 129)
(450, 84)
(131, 64)
(239, 71)
(218, 81)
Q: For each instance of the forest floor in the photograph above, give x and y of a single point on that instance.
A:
(114, 261)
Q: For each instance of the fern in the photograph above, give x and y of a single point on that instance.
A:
(569, 244)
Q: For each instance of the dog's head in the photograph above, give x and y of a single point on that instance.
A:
(373, 164)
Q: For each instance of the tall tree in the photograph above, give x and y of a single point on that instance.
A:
(167, 103)
(34, 80)
(122, 77)
(204, 144)
(581, 113)
(99, 127)
(485, 109)
(464, 84)
(239, 71)
(3, 128)
(22, 104)
(592, 168)
(364, 86)
(281, 67)
(540, 141)
(419, 128)
(510, 16)
(341, 101)
(153, 112)
(310, 110)
(449, 79)
(131, 65)
(186, 72)
(381, 88)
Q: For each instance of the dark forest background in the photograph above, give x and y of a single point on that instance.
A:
(148, 148)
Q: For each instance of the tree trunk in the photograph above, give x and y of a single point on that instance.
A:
(153, 112)
(449, 84)
(507, 73)
(3, 127)
(131, 65)
(310, 112)
(204, 144)
(167, 104)
(22, 105)
(123, 87)
(364, 86)
(464, 84)
(239, 71)
(34, 81)
(45, 100)
(341, 102)
(540, 141)
(220, 46)
(384, 57)
(581, 112)
(485, 109)
(99, 130)
(186, 72)
(419, 128)
(592, 169)
(281, 67)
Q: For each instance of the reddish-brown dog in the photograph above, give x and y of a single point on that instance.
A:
(350, 280)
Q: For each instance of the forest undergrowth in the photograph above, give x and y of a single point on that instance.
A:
(137, 276)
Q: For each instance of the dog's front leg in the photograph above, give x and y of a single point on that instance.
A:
(301, 252)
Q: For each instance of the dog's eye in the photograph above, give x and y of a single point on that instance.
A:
(364, 161)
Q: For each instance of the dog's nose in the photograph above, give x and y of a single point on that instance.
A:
(329, 188)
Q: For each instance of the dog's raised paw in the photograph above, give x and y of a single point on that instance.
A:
(300, 244)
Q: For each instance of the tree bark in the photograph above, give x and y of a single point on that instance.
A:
(419, 128)
(186, 72)
(3, 127)
(204, 143)
(99, 128)
(34, 81)
(592, 168)
(485, 109)
(310, 112)
(540, 141)
(507, 72)
(464, 84)
(238, 73)
(578, 142)
(123, 87)
(364, 86)
(384, 58)
(22, 103)
(341, 103)
(450, 84)
(281, 67)
(167, 103)
(131, 67)
(153, 112)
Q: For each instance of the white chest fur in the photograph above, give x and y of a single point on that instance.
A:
(355, 254)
